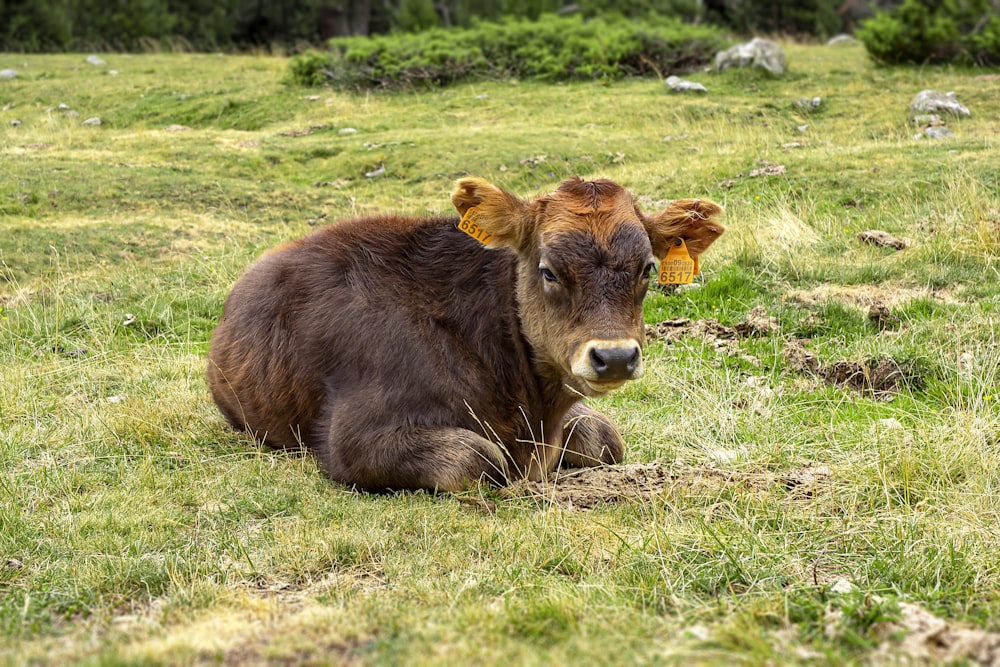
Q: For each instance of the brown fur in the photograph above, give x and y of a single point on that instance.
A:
(404, 354)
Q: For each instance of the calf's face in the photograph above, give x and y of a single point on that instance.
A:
(586, 256)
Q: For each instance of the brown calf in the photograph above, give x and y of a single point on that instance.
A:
(406, 354)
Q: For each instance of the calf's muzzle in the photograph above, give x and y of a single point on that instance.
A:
(615, 362)
(604, 364)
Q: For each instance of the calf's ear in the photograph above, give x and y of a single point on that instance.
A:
(697, 221)
(503, 216)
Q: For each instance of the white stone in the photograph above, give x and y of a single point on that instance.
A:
(933, 101)
(757, 52)
(841, 587)
(682, 85)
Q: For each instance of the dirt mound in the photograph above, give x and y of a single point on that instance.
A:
(588, 488)
(882, 378)
(724, 339)
(757, 323)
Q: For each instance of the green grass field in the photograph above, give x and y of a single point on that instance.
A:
(800, 514)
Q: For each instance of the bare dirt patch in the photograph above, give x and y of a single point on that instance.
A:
(292, 593)
(722, 338)
(933, 640)
(303, 131)
(587, 488)
(757, 323)
(882, 239)
(888, 295)
(882, 378)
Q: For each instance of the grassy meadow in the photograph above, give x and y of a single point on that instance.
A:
(802, 516)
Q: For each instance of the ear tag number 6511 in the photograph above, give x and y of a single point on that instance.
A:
(470, 225)
(677, 268)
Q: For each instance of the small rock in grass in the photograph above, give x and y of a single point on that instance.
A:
(7, 73)
(769, 170)
(808, 103)
(347, 130)
(63, 106)
(936, 132)
(15, 123)
(177, 128)
(932, 101)
(92, 121)
(680, 85)
(97, 61)
(112, 72)
(842, 587)
(376, 172)
(880, 238)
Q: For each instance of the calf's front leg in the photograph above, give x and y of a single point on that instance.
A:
(591, 439)
(413, 457)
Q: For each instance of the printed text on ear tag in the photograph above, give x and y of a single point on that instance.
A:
(470, 225)
(677, 268)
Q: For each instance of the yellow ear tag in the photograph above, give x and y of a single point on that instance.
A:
(470, 225)
(677, 268)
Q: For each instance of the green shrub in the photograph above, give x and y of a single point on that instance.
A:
(551, 49)
(934, 31)
(310, 68)
(791, 17)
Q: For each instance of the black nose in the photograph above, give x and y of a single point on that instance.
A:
(615, 363)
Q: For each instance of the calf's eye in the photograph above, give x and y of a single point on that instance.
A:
(649, 271)
(547, 274)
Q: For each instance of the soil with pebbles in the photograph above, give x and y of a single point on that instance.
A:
(880, 378)
(587, 488)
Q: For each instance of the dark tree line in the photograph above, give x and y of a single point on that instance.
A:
(57, 25)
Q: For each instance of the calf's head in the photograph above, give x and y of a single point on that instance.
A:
(586, 256)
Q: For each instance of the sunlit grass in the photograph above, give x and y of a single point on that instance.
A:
(136, 527)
